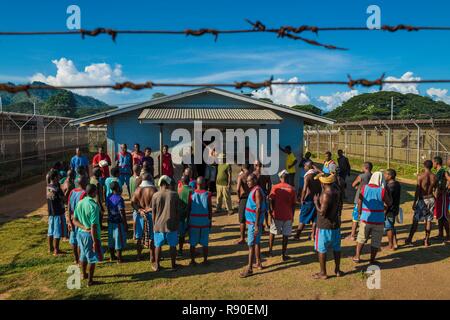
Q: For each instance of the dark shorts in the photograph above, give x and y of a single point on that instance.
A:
(241, 210)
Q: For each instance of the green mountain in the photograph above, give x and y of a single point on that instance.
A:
(377, 105)
(308, 108)
(56, 102)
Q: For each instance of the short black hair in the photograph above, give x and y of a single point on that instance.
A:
(340, 151)
(138, 145)
(369, 165)
(328, 153)
(392, 173)
(82, 181)
(438, 160)
(91, 189)
(51, 175)
(114, 186)
(115, 172)
(148, 149)
(428, 164)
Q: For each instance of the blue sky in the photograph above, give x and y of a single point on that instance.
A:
(70, 60)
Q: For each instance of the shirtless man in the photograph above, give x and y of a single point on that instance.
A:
(141, 202)
(265, 183)
(311, 187)
(242, 192)
(328, 225)
(424, 202)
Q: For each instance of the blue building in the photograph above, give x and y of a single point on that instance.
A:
(151, 124)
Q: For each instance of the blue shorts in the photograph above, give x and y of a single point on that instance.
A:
(199, 236)
(85, 243)
(117, 236)
(124, 178)
(170, 238)
(389, 223)
(253, 238)
(308, 212)
(57, 227)
(73, 236)
(139, 224)
(355, 213)
(327, 238)
(182, 229)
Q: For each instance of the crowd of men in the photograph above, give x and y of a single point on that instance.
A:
(166, 211)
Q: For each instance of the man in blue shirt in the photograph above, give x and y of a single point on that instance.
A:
(79, 160)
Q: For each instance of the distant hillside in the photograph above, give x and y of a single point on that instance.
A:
(377, 105)
(53, 102)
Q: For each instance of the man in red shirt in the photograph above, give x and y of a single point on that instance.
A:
(101, 155)
(282, 201)
(167, 165)
(137, 155)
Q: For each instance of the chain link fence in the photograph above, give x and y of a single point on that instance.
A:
(31, 144)
(392, 143)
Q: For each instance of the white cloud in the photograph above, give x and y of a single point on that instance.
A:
(93, 74)
(336, 99)
(400, 87)
(439, 94)
(289, 95)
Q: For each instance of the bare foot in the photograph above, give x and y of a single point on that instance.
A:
(258, 266)
(319, 276)
(426, 242)
(339, 273)
(356, 260)
(350, 237)
(246, 273)
(240, 241)
(155, 267)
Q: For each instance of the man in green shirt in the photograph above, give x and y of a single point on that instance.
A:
(184, 194)
(87, 219)
(223, 185)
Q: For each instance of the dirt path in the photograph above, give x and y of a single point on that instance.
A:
(27, 201)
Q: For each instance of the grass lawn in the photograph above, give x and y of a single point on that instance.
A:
(27, 271)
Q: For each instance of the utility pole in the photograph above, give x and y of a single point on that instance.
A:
(392, 108)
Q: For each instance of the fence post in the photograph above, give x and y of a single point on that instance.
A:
(318, 141)
(330, 143)
(418, 148)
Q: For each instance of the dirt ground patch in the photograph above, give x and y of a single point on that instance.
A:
(412, 272)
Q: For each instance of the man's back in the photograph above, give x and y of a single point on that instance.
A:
(330, 219)
(144, 196)
(426, 182)
(165, 211)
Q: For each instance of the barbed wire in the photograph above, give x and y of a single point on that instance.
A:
(287, 31)
(351, 83)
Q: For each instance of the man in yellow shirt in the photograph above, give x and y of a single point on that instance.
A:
(291, 161)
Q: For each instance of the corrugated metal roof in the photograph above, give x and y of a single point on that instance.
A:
(242, 114)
